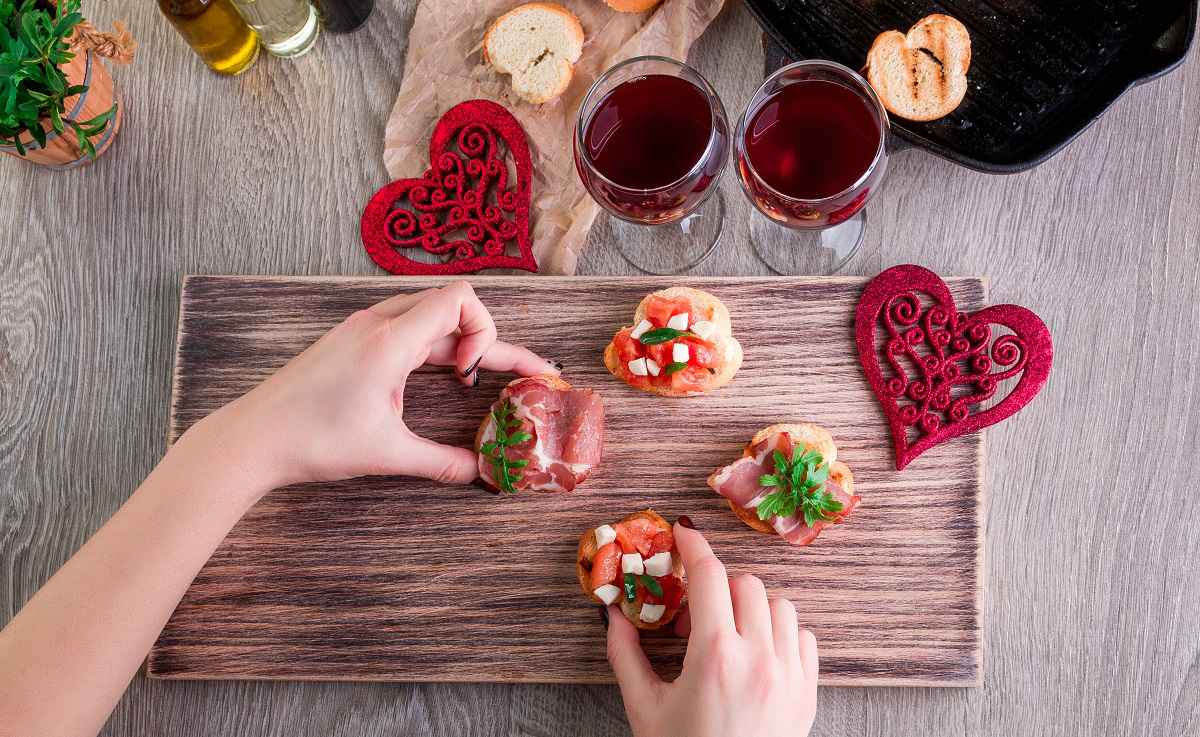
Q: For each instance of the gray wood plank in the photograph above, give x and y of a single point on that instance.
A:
(1092, 611)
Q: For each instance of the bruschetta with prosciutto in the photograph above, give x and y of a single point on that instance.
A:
(633, 563)
(681, 344)
(788, 482)
(540, 435)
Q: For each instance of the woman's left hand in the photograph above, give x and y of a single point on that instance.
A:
(337, 410)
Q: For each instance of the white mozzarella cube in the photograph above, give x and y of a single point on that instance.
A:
(604, 535)
(653, 367)
(680, 353)
(704, 329)
(679, 322)
(640, 330)
(632, 563)
(637, 367)
(658, 564)
(651, 613)
(607, 593)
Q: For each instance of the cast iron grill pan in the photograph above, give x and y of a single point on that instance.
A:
(1041, 71)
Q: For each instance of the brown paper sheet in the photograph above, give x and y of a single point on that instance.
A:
(444, 67)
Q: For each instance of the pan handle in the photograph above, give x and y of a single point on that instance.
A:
(775, 58)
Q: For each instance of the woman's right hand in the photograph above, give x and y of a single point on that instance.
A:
(749, 668)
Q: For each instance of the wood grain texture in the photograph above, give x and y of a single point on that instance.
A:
(1091, 608)
(404, 579)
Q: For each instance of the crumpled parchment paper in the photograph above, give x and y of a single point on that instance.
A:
(444, 67)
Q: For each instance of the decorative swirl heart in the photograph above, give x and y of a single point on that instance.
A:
(462, 208)
(943, 365)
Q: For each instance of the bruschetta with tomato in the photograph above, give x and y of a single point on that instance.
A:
(788, 482)
(540, 435)
(633, 563)
(681, 344)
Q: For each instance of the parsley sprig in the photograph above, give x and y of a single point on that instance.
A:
(800, 483)
(508, 434)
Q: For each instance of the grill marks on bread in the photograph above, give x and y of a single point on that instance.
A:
(921, 75)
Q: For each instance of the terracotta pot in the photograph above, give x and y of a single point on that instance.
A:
(62, 150)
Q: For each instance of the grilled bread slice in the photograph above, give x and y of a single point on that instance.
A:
(922, 75)
(704, 307)
(635, 529)
(632, 6)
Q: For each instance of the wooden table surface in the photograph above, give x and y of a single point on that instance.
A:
(1091, 555)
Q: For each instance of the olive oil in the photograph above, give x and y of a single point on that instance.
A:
(215, 32)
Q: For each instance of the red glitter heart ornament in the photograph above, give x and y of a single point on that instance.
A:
(943, 365)
(462, 208)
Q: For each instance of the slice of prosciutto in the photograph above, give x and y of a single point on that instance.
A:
(566, 428)
(738, 482)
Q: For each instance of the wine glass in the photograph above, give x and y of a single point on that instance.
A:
(650, 144)
(811, 152)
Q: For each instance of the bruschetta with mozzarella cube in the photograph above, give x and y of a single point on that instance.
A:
(681, 344)
(788, 482)
(633, 564)
(540, 435)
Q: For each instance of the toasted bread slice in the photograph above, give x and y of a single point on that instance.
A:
(922, 75)
(632, 6)
(538, 45)
(714, 311)
(583, 570)
(813, 437)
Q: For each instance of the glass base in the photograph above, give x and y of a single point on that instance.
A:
(672, 248)
(794, 252)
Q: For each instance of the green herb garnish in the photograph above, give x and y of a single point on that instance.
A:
(662, 335)
(800, 484)
(630, 587)
(508, 434)
(651, 585)
(675, 366)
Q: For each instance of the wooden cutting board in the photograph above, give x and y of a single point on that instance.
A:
(394, 579)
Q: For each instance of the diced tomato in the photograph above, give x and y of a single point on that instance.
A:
(660, 352)
(692, 378)
(627, 348)
(663, 542)
(606, 565)
(659, 310)
(636, 535)
(672, 592)
(702, 352)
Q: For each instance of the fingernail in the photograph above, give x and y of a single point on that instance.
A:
(476, 380)
(686, 521)
(472, 367)
(604, 615)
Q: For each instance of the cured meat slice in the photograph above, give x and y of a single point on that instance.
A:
(565, 428)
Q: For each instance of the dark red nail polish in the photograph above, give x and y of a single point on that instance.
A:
(686, 521)
(604, 615)
(470, 369)
(475, 382)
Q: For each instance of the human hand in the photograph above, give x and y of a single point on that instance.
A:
(337, 410)
(749, 668)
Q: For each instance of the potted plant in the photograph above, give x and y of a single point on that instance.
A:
(57, 103)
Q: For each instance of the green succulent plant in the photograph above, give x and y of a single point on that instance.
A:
(33, 87)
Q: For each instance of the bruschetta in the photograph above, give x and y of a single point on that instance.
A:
(540, 435)
(788, 482)
(681, 344)
(633, 563)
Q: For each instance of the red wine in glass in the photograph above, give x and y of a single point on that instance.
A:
(649, 147)
(812, 150)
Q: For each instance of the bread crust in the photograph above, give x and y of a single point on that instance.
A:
(574, 27)
(586, 551)
(550, 380)
(632, 6)
(731, 349)
(913, 86)
(813, 437)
